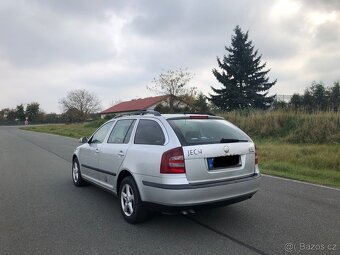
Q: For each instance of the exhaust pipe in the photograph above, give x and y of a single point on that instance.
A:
(190, 211)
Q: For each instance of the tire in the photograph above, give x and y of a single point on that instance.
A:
(131, 205)
(76, 174)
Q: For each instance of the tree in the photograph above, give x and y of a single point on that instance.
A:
(243, 78)
(317, 97)
(12, 115)
(32, 111)
(3, 114)
(296, 102)
(173, 83)
(320, 97)
(72, 115)
(279, 105)
(335, 96)
(50, 118)
(201, 104)
(308, 101)
(20, 112)
(81, 100)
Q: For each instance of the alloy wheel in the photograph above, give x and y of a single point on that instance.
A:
(127, 199)
(75, 172)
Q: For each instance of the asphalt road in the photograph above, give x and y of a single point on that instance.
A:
(42, 212)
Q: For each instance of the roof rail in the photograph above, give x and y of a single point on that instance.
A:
(148, 112)
(142, 112)
(205, 113)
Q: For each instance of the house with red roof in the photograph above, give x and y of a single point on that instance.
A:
(148, 103)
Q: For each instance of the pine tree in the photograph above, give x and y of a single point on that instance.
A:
(243, 78)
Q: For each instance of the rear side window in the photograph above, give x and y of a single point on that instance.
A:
(121, 132)
(149, 132)
(206, 131)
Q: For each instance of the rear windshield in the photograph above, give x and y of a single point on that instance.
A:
(206, 131)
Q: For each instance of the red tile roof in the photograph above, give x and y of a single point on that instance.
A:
(135, 105)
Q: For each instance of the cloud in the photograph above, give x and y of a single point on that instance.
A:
(115, 48)
(34, 36)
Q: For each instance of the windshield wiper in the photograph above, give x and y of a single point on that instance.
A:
(226, 140)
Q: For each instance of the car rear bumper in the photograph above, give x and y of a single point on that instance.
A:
(196, 207)
(190, 195)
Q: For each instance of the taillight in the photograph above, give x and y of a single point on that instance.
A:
(256, 157)
(173, 162)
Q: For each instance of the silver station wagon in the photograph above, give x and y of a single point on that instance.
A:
(169, 162)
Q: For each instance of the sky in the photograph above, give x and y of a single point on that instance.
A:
(115, 48)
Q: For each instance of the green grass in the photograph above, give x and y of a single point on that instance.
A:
(70, 130)
(313, 163)
(299, 146)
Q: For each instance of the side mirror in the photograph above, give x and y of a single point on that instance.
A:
(83, 140)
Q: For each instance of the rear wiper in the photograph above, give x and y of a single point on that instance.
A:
(226, 140)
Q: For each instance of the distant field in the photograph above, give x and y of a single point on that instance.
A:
(304, 147)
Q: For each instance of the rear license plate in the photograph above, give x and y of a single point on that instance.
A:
(224, 162)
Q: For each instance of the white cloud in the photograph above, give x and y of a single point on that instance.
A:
(115, 48)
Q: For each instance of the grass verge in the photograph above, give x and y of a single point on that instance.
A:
(70, 130)
(314, 163)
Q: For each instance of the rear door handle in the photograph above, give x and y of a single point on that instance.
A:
(121, 153)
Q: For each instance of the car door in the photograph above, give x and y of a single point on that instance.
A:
(148, 147)
(89, 153)
(113, 151)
